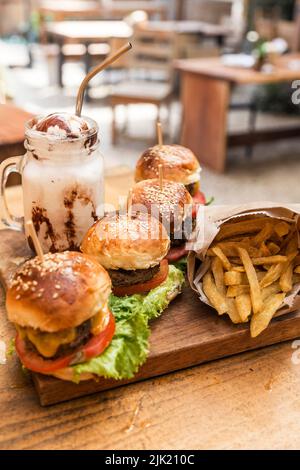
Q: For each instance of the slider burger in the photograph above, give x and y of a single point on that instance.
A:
(172, 205)
(179, 165)
(59, 308)
(132, 248)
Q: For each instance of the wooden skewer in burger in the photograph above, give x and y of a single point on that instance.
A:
(179, 164)
(58, 304)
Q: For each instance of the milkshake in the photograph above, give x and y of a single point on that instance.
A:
(62, 178)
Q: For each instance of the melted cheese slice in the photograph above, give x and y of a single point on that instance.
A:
(99, 321)
(47, 344)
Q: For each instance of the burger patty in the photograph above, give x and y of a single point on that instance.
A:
(180, 237)
(82, 336)
(178, 242)
(122, 277)
(192, 188)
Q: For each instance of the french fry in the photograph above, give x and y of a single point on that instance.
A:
(282, 228)
(260, 321)
(286, 278)
(274, 238)
(260, 274)
(263, 235)
(218, 273)
(264, 260)
(264, 250)
(255, 263)
(213, 295)
(270, 290)
(230, 248)
(238, 269)
(272, 275)
(273, 248)
(219, 253)
(232, 229)
(233, 312)
(235, 291)
(233, 278)
(288, 238)
(255, 291)
(292, 246)
(243, 305)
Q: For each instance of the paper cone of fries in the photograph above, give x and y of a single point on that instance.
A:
(245, 261)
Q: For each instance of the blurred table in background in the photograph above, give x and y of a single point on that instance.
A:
(64, 9)
(206, 86)
(199, 28)
(190, 35)
(80, 9)
(119, 9)
(86, 33)
(51, 10)
(12, 131)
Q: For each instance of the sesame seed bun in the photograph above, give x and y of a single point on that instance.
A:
(60, 292)
(120, 241)
(179, 164)
(168, 204)
(67, 373)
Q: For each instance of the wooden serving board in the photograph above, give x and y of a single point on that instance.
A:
(187, 334)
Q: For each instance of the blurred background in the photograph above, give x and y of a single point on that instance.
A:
(217, 73)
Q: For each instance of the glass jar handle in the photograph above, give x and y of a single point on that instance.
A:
(8, 166)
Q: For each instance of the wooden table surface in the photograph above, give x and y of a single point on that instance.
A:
(286, 69)
(249, 401)
(93, 31)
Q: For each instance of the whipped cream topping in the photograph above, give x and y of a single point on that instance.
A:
(62, 126)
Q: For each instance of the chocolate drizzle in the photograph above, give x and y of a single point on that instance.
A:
(39, 217)
(91, 141)
(81, 194)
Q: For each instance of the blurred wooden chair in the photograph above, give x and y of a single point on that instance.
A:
(150, 74)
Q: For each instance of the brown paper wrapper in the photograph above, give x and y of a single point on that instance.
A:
(209, 221)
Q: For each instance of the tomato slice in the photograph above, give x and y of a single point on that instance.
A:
(176, 253)
(94, 347)
(144, 287)
(199, 198)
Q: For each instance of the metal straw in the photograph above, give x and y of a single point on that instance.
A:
(95, 71)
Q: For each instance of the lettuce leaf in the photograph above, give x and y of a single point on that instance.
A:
(157, 300)
(130, 345)
(181, 264)
(127, 351)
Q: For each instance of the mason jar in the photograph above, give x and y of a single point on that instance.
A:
(63, 186)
